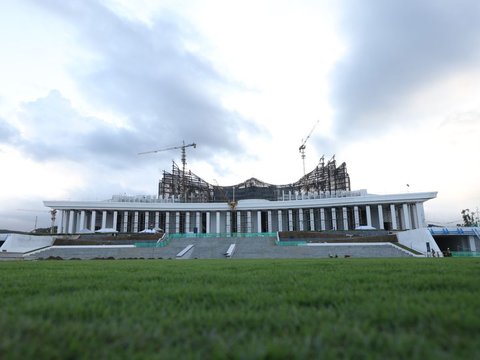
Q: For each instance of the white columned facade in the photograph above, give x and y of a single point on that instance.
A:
(406, 216)
(280, 221)
(345, 218)
(312, 220)
(300, 219)
(157, 219)
(269, 215)
(380, 217)
(369, 216)
(394, 217)
(93, 220)
(334, 219)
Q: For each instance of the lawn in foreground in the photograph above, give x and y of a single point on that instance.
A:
(330, 308)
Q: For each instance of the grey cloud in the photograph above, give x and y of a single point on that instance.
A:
(57, 131)
(147, 74)
(8, 133)
(394, 48)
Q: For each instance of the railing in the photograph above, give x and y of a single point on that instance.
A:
(466, 253)
(163, 241)
(220, 235)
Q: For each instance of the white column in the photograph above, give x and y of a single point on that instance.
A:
(380, 217)
(82, 220)
(115, 215)
(312, 220)
(125, 221)
(280, 221)
(187, 222)
(420, 215)
(104, 219)
(249, 221)
(471, 241)
(147, 220)
(290, 220)
(197, 222)
(177, 222)
(300, 219)
(93, 220)
(61, 224)
(322, 219)
(406, 215)
(157, 219)
(269, 216)
(167, 222)
(357, 216)
(369, 216)
(135, 222)
(217, 224)
(228, 221)
(207, 230)
(70, 221)
(259, 221)
(345, 218)
(394, 216)
(334, 219)
(239, 222)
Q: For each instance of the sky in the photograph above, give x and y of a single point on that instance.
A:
(392, 88)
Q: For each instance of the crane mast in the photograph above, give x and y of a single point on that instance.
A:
(183, 158)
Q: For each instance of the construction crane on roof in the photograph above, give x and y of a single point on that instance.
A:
(184, 160)
(301, 149)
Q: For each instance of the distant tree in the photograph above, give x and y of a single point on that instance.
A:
(468, 217)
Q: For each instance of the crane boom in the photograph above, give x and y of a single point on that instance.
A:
(169, 148)
(301, 149)
(184, 161)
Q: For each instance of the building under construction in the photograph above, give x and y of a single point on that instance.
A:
(185, 186)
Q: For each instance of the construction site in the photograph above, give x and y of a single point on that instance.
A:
(185, 186)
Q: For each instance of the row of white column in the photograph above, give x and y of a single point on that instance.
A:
(74, 220)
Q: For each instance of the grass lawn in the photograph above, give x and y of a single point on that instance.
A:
(329, 308)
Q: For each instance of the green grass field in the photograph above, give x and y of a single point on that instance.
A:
(330, 308)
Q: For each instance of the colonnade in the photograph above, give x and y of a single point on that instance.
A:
(380, 216)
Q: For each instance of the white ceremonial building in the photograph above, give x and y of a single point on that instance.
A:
(319, 201)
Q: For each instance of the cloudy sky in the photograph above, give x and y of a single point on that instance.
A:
(86, 85)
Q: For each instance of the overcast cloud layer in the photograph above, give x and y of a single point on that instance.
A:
(144, 74)
(394, 48)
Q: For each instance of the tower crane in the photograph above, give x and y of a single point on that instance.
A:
(301, 149)
(184, 160)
